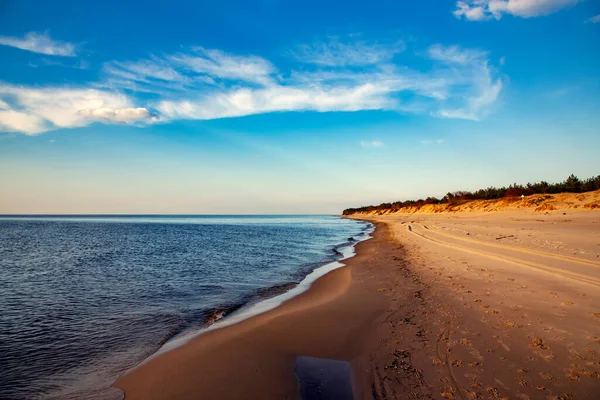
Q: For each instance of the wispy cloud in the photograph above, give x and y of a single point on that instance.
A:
(120, 115)
(593, 20)
(461, 79)
(40, 43)
(479, 10)
(369, 144)
(475, 82)
(208, 84)
(222, 65)
(182, 71)
(33, 111)
(430, 141)
(336, 53)
(78, 64)
(455, 54)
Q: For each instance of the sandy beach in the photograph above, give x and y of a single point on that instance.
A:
(446, 305)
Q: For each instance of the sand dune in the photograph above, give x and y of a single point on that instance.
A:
(537, 203)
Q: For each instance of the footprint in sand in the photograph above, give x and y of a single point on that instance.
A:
(475, 385)
(594, 339)
(538, 343)
(522, 382)
(545, 376)
(573, 377)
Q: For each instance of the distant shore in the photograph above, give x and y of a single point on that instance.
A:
(538, 203)
(470, 305)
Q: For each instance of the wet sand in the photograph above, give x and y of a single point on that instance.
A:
(465, 306)
(256, 358)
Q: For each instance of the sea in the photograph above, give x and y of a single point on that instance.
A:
(83, 299)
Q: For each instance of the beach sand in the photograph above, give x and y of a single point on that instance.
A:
(456, 306)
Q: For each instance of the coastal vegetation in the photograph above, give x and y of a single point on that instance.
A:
(570, 185)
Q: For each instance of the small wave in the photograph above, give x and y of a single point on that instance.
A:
(214, 317)
(337, 252)
(275, 289)
(173, 332)
(270, 297)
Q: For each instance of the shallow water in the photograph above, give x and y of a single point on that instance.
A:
(85, 298)
(324, 379)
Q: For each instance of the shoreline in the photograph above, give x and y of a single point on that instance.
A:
(266, 304)
(211, 351)
(434, 306)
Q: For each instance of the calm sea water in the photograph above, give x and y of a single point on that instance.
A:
(83, 299)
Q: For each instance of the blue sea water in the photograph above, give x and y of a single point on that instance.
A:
(85, 298)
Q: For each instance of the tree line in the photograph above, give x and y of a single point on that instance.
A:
(570, 185)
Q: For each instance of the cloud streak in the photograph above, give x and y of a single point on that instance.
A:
(32, 111)
(204, 84)
(480, 10)
(370, 144)
(475, 82)
(593, 20)
(429, 141)
(461, 85)
(338, 54)
(40, 43)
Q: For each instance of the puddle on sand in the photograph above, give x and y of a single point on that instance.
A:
(321, 378)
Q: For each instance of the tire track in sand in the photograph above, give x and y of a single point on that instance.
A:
(534, 265)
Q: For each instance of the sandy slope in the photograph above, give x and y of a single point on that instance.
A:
(537, 203)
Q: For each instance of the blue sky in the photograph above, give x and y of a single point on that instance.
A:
(281, 107)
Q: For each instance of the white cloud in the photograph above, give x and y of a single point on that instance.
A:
(40, 43)
(79, 64)
(367, 144)
(218, 64)
(197, 68)
(144, 71)
(455, 54)
(478, 10)
(246, 101)
(337, 54)
(429, 141)
(475, 83)
(34, 110)
(208, 84)
(461, 85)
(15, 121)
(473, 11)
(120, 115)
(593, 20)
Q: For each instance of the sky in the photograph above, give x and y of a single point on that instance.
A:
(290, 107)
